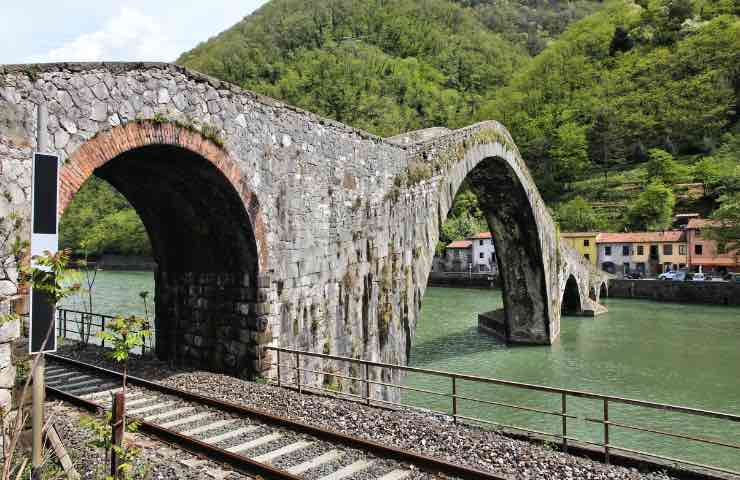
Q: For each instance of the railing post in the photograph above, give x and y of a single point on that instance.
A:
(102, 327)
(606, 430)
(117, 432)
(298, 371)
(564, 410)
(454, 399)
(367, 384)
(278, 367)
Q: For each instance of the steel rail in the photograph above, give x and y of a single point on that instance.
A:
(197, 447)
(424, 462)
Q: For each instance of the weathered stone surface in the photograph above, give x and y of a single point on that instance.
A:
(7, 377)
(271, 225)
(9, 331)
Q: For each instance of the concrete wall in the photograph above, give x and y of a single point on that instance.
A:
(9, 332)
(716, 293)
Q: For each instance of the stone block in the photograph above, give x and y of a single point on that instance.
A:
(6, 351)
(5, 399)
(10, 331)
(7, 376)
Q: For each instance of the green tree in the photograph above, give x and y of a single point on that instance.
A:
(720, 172)
(569, 151)
(577, 215)
(663, 167)
(726, 230)
(653, 208)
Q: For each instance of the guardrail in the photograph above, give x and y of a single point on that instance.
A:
(83, 324)
(294, 371)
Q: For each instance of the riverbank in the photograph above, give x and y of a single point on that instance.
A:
(710, 292)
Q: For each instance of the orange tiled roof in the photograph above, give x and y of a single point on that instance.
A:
(460, 244)
(642, 237)
(578, 234)
(481, 236)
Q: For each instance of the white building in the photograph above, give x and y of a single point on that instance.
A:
(484, 252)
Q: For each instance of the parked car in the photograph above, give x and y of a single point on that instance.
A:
(698, 277)
(669, 275)
(633, 275)
(683, 276)
(732, 277)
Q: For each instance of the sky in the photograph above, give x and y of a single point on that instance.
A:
(109, 30)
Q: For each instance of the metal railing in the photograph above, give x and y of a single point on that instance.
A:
(73, 324)
(293, 371)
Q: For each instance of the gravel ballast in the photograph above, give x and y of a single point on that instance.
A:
(421, 432)
(162, 461)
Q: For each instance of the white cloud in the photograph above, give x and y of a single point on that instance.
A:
(128, 36)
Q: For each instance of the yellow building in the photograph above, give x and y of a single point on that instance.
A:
(585, 243)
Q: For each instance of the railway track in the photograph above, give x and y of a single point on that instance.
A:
(249, 440)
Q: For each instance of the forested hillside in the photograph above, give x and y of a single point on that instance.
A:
(618, 107)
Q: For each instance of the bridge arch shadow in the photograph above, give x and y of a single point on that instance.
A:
(571, 303)
(203, 226)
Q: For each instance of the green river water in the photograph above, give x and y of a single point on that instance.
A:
(671, 353)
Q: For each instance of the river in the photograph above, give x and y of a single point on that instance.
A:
(671, 353)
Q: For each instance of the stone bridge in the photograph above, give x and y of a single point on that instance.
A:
(273, 226)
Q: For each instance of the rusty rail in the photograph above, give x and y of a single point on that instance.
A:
(608, 425)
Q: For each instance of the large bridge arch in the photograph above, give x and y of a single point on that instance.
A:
(524, 233)
(203, 223)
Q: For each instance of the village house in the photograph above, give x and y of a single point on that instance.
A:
(649, 253)
(458, 256)
(475, 254)
(707, 254)
(484, 252)
(585, 243)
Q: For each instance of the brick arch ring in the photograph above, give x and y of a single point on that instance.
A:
(109, 144)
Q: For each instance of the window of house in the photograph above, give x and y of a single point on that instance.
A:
(640, 250)
(682, 249)
(626, 268)
(586, 243)
(481, 242)
(698, 249)
(721, 248)
(607, 251)
(481, 254)
(588, 257)
(625, 250)
(668, 249)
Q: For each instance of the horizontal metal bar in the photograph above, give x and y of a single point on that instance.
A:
(527, 386)
(675, 460)
(523, 429)
(518, 407)
(411, 389)
(102, 315)
(669, 434)
(328, 373)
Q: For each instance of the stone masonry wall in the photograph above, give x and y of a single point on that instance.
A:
(715, 293)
